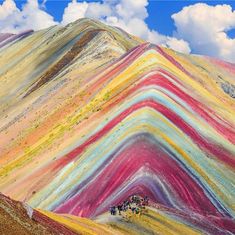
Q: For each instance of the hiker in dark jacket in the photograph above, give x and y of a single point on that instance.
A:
(113, 210)
(119, 207)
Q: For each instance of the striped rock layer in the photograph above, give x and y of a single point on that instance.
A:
(91, 115)
(19, 218)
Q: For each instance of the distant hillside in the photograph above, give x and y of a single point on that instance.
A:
(19, 218)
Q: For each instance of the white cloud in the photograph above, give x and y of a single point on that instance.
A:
(74, 11)
(129, 15)
(98, 11)
(127, 9)
(178, 45)
(205, 27)
(14, 20)
(8, 7)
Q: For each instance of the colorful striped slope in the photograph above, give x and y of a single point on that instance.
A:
(18, 218)
(91, 115)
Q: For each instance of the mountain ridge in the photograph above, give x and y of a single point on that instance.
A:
(116, 117)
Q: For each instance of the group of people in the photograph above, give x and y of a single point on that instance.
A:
(135, 204)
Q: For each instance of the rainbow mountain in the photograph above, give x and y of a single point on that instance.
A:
(91, 115)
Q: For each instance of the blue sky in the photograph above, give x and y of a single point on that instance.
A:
(212, 33)
(160, 13)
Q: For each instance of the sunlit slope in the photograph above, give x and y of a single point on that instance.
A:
(149, 122)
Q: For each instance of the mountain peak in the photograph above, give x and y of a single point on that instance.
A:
(92, 116)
